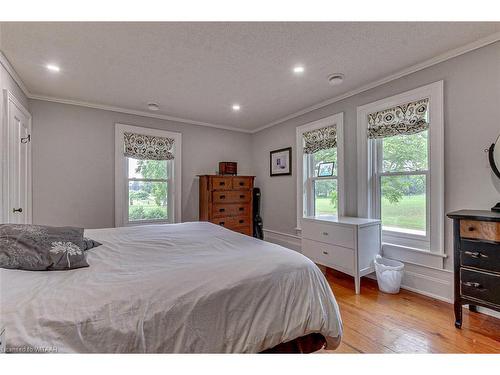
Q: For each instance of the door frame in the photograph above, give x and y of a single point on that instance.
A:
(9, 98)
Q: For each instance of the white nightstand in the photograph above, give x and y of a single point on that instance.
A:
(346, 244)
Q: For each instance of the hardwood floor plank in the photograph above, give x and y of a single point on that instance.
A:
(375, 322)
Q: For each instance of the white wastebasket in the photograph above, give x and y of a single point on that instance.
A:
(389, 274)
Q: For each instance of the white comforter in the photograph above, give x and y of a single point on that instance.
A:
(192, 287)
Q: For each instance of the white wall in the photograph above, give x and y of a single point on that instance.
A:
(472, 113)
(73, 161)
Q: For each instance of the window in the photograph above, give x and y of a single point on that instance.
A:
(320, 168)
(147, 177)
(400, 166)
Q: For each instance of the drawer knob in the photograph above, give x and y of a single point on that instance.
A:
(475, 254)
(471, 284)
(242, 196)
(325, 233)
(242, 221)
(222, 183)
(325, 252)
(222, 197)
(241, 208)
(221, 223)
(242, 183)
(471, 229)
(222, 209)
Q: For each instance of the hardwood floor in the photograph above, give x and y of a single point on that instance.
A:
(375, 322)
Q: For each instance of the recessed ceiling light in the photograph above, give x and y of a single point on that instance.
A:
(153, 107)
(236, 107)
(53, 68)
(298, 69)
(335, 79)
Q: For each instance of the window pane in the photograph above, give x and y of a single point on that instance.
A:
(147, 200)
(325, 156)
(325, 197)
(403, 203)
(155, 169)
(405, 153)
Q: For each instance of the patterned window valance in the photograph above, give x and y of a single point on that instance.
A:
(140, 146)
(320, 139)
(409, 118)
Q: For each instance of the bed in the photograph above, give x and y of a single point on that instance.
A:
(177, 288)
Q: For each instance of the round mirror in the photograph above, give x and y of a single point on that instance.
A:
(494, 156)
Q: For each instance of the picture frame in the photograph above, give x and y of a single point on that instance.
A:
(280, 162)
(326, 169)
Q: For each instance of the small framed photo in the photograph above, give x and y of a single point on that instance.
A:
(281, 162)
(325, 169)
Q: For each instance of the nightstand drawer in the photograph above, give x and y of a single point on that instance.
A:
(332, 234)
(481, 255)
(481, 230)
(480, 285)
(336, 257)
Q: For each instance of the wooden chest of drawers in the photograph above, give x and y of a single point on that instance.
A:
(227, 201)
(476, 260)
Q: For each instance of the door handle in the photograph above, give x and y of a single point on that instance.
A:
(17, 210)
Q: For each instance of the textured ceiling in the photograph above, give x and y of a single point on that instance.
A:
(197, 70)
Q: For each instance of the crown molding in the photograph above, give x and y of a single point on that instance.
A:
(412, 69)
(134, 112)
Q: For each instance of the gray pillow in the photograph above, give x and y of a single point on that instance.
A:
(39, 247)
(89, 243)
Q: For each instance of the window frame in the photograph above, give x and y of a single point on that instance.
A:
(305, 205)
(174, 177)
(369, 160)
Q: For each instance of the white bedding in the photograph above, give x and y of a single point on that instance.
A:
(180, 288)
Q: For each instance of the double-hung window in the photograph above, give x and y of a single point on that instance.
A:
(147, 177)
(320, 168)
(400, 165)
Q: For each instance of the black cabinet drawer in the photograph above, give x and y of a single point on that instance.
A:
(480, 285)
(482, 255)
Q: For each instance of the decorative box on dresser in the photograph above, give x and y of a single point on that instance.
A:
(227, 201)
(476, 258)
(346, 244)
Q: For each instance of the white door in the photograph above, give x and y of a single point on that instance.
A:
(18, 157)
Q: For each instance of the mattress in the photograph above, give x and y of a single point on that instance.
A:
(176, 288)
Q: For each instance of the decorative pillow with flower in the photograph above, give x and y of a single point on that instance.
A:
(41, 248)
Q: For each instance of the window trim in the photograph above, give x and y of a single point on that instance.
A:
(121, 176)
(366, 166)
(338, 120)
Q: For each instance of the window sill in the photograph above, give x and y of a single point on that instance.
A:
(413, 255)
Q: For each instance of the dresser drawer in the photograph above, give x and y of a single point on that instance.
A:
(482, 255)
(243, 183)
(224, 209)
(222, 183)
(480, 285)
(332, 234)
(332, 256)
(244, 230)
(483, 230)
(233, 196)
(232, 221)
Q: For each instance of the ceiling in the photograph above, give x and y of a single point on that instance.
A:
(196, 71)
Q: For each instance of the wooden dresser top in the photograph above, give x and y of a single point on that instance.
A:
(482, 215)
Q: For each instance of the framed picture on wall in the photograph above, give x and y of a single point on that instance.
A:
(281, 162)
